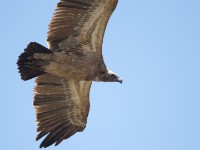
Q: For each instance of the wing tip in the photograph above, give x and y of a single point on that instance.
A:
(57, 136)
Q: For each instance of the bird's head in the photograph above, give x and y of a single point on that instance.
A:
(112, 77)
(109, 76)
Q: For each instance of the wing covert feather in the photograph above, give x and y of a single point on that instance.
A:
(80, 22)
(61, 106)
(66, 17)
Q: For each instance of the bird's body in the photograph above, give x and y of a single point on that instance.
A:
(65, 70)
(62, 64)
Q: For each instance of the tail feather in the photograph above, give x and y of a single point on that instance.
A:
(28, 66)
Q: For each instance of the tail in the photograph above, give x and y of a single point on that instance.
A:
(28, 66)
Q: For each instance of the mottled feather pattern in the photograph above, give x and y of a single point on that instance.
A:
(58, 114)
(83, 24)
(63, 82)
(66, 18)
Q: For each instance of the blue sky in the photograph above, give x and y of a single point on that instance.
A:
(153, 45)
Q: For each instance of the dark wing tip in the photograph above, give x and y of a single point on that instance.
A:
(58, 135)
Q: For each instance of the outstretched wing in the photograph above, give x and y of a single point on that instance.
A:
(61, 107)
(80, 21)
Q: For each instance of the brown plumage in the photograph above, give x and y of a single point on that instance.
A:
(67, 68)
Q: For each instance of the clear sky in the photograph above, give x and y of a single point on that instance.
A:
(154, 45)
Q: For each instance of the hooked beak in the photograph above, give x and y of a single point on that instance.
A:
(120, 80)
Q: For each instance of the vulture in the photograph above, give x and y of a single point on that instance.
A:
(65, 70)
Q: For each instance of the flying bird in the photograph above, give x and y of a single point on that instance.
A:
(65, 70)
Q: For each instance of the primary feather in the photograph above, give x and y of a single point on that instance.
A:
(66, 69)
